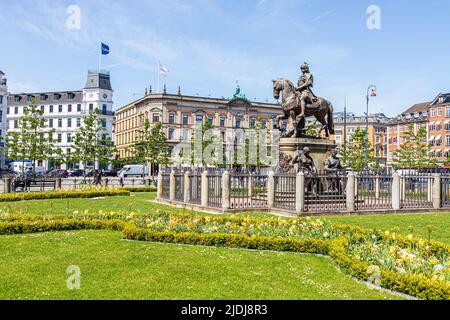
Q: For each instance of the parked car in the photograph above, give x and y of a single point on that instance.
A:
(133, 170)
(58, 173)
(76, 173)
(7, 173)
(110, 173)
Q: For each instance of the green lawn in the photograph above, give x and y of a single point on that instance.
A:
(33, 266)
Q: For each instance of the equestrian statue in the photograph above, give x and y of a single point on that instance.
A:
(299, 103)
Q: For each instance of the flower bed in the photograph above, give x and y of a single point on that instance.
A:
(63, 194)
(406, 264)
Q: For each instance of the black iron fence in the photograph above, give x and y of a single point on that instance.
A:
(214, 190)
(165, 185)
(285, 191)
(179, 187)
(373, 191)
(325, 192)
(195, 190)
(248, 191)
(416, 190)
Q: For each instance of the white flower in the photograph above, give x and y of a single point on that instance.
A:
(438, 267)
(325, 234)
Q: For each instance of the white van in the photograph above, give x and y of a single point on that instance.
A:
(133, 170)
(19, 166)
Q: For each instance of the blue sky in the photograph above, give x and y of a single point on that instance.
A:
(207, 45)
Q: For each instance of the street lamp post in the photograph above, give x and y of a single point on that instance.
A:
(372, 89)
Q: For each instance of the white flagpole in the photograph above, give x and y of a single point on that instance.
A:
(159, 73)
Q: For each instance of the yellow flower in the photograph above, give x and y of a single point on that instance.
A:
(410, 236)
(434, 261)
(387, 233)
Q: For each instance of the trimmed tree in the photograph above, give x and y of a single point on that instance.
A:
(32, 140)
(151, 147)
(414, 152)
(91, 143)
(356, 154)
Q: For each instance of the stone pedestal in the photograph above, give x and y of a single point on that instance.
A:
(320, 148)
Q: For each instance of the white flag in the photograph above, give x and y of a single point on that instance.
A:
(163, 70)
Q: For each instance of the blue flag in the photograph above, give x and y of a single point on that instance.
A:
(105, 49)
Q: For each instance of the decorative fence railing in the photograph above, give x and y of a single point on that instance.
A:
(306, 192)
(214, 190)
(325, 192)
(284, 191)
(416, 190)
(195, 188)
(248, 191)
(373, 191)
(165, 184)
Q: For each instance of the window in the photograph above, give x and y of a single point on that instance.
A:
(42, 109)
(171, 133)
(56, 96)
(59, 138)
(50, 123)
(51, 109)
(447, 140)
(16, 123)
(433, 112)
(155, 117)
(1, 117)
(78, 122)
(222, 121)
(185, 119)
(211, 120)
(68, 151)
(69, 122)
(69, 137)
(447, 111)
(185, 134)
(16, 110)
(264, 123)
(252, 122)
(171, 118)
(7, 110)
(238, 122)
(60, 108)
(103, 123)
(1, 99)
(43, 97)
(91, 107)
(199, 120)
(78, 107)
(104, 108)
(439, 111)
(59, 123)
(17, 98)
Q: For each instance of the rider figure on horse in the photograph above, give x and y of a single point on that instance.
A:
(304, 87)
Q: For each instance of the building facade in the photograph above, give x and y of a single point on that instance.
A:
(3, 104)
(416, 115)
(179, 114)
(345, 126)
(439, 127)
(65, 110)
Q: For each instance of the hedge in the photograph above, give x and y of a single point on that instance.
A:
(140, 189)
(11, 197)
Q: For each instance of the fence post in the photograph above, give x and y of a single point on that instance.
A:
(204, 199)
(300, 192)
(396, 191)
(402, 188)
(187, 187)
(105, 182)
(351, 192)
(7, 182)
(250, 185)
(159, 190)
(437, 203)
(377, 187)
(430, 185)
(226, 190)
(271, 190)
(172, 186)
(58, 183)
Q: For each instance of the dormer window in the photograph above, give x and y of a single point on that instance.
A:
(43, 97)
(56, 96)
(30, 98)
(17, 98)
(71, 96)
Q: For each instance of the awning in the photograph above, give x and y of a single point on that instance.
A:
(431, 123)
(438, 137)
(447, 122)
(432, 138)
(432, 151)
(446, 150)
(438, 123)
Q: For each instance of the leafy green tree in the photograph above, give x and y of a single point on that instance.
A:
(151, 146)
(92, 143)
(414, 151)
(32, 140)
(356, 154)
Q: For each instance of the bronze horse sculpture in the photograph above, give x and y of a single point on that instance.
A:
(322, 110)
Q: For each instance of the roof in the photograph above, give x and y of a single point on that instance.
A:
(441, 98)
(418, 107)
(49, 98)
(1, 73)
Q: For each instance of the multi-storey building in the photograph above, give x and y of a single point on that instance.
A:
(345, 126)
(179, 114)
(65, 110)
(439, 127)
(3, 103)
(416, 115)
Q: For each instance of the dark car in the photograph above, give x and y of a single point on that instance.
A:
(110, 173)
(76, 173)
(58, 173)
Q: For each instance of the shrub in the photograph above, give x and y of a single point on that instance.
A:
(140, 189)
(86, 193)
